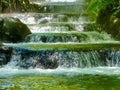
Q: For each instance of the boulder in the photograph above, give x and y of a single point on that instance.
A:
(13, 30)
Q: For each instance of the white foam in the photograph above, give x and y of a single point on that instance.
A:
(61, 0)
(6, 72)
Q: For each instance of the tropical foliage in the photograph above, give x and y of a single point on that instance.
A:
(95, 6)
(107, 14)
(13, 5)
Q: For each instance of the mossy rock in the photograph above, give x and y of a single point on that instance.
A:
(13, 30)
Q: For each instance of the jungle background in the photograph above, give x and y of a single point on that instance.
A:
(106, 13)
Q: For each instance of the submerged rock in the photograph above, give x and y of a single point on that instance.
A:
(13, 30)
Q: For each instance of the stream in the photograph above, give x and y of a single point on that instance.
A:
(62, 53)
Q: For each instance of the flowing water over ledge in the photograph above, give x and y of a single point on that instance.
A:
(84, 70)
(78, 70)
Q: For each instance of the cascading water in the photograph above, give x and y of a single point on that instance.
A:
(68, 37)
(61, 44)
(65, 58)
(60, 58)
(52, 57)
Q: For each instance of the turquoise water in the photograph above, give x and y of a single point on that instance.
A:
(99, 78)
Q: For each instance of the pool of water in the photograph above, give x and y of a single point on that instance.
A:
(99, 78)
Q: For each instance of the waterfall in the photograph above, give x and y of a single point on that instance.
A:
(68, 37)
(45, 59)
(62, 37)
(65, 50)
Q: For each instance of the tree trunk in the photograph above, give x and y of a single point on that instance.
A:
(0, 6)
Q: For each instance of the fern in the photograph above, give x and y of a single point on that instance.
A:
(5, 2)
(95, 6)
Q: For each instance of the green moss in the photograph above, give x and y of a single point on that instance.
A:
(69, 33)
(68, 46)
(47, 82)
(1, 45)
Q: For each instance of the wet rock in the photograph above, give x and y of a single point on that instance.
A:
(5, 55)
(13, 30)
(110, 57)
(36, 59)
